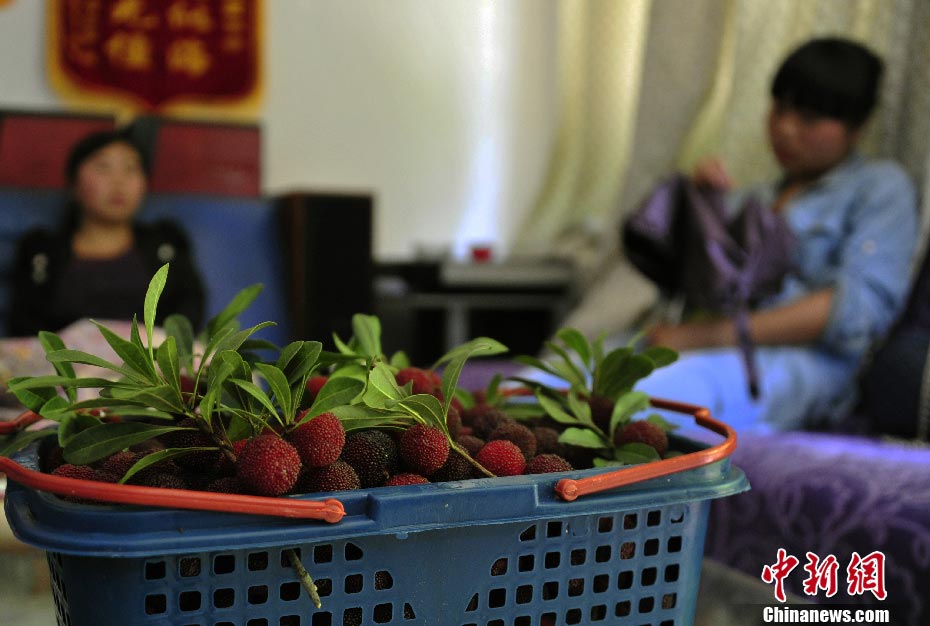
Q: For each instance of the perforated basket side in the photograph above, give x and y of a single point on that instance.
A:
(641, 564)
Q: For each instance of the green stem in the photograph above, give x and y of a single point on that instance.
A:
(304, 576)
(481, 468)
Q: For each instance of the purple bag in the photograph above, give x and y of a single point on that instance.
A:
(682, 239)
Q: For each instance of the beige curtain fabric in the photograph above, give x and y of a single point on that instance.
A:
(600, 52)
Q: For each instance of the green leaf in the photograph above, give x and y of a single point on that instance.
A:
(580, 408)
(554, 410)
(54, 408)
(523, 410)
(33, 398)
(77, 356)
(279, 387)
(427, 409)
(625, 407)
(533, 362)
(233, 341)
(619, 372)
(400, 360)
(583, 437)
(575, 340)
(382, 387)
(161, 398)
(482, 346)
(50, 342)
(366, 330)
(237, 305)
(130, 353)
(37, 382)
(156, 285)
(19, 441)
(599, 462)
(359, 416)
(256, 392)
(73, 424)
(101, 441)
(298, 358)
(479, 346)
(567, 368)
(336, 392)
(661, 422)
(660, 356)
(169, 363)
(342, 347)
(228, 364)
(157, 457)
(633, 453)
(179, 327)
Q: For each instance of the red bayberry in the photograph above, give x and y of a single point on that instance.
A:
(424, 449)
(319, 442)
(502, 458)
(268, 465)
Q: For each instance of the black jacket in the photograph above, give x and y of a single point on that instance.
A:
(42, 256)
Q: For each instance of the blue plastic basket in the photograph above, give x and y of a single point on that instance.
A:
(489, 552)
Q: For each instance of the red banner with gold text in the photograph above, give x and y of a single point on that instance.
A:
(156, 53)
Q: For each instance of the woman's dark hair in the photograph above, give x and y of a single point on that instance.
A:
(86, 147)
(832, 77)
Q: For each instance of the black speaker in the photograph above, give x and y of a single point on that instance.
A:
(328, 239)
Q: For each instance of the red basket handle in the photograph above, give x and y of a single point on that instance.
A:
(330, 510)
(569, 488)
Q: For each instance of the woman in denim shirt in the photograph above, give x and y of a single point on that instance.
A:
(856, 224)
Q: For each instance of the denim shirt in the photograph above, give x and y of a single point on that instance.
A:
(857, 231)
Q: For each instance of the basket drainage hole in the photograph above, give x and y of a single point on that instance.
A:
(550, 590)
(156, 604)
(290, 591)
(669, 600)
(554, 529)
(674, 544)
(573, 616)
(224, 598)
(647, 604)
(324, 587)
(623, 608)
(671, 573)
(383, 580)
(605, 524)
(383, 613)
(258, 595)
(155, 571)
(322, 619)
(352, 617)
(529, 534)
(601, 583)
(409, 614)
(602, 554)
(258, 561)
(547, 619)
(189, 601)
(499, 568)
(497, 598)
(224, 624)
(353, 583)
(189, 567)
(523, 620)
(667, 622)
(599, 613)
(524, 594)
(526, 563)
(649, 576)
(261, 621)
(224, 564)
(353, 553)
(624, 580)
(654, 518)
(576, 587)
(552, 560)
(472, 604)
(630, 521)
(651, 547)
(289, 620)
(323, 554)
(627, 550)
(578, 557)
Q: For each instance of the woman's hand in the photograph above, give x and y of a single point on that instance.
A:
(710, 172)
(693, 335)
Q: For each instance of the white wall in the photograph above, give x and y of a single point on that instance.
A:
(443, 110)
